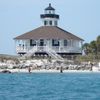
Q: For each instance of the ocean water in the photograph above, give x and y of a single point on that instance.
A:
(50, 86)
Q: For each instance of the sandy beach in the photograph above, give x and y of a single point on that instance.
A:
(44, 66)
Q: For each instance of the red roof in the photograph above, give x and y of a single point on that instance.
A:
(48, 32)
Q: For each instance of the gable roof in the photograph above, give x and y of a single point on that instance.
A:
(48, 32)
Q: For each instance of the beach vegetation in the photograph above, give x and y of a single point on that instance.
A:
(91, 51)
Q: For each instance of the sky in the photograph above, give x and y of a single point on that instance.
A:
(80, 17)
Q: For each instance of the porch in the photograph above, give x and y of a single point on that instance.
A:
(57, 49)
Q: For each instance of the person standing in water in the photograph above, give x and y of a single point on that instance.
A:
(29, 69)
(61, 69)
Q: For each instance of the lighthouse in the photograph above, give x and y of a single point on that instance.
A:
(49, 17)
(49, 39)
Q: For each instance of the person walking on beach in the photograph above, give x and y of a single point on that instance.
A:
(91, 65)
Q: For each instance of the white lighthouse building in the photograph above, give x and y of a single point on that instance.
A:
(48, 39)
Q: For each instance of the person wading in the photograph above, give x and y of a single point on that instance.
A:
(61, 69)
(29, 69)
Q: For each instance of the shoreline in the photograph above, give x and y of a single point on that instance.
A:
(48, 71)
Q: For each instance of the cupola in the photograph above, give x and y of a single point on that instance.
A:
(49, 17)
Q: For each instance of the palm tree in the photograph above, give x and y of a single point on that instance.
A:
(93, 47)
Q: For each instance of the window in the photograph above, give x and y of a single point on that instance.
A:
(56, 23)
(55, 42)
(45, 22)
(41, 42)
(32, 42)
(50, 22)
(65, 42)
(49, 11)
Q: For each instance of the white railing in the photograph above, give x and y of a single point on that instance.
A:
(46, 49)
(21, 49)
(53, 54)
(67, 49)
(57, 49)
(31, 52)
(50, 51)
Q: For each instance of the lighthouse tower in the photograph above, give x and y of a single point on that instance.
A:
(49, 17)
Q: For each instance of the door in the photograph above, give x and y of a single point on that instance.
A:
(41, 42)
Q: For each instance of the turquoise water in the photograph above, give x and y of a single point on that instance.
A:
(55, 86)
